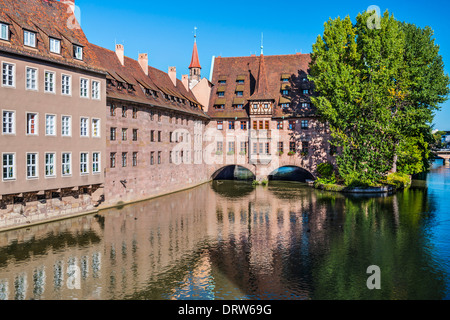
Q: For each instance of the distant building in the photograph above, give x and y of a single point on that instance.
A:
(446, 139)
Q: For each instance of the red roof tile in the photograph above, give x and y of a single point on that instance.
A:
(49, 18)
(132, 73)
(263, 80)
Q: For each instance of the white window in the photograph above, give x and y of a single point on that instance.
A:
(84, 163)
(50, 125)
(8, 166)
(66, 126)
(29, 38)
(84, 83)
(32, 123)
(65, 84)
(66, 161)
(78, 52)
(8, 75)
(96, 162)
(95, 90)
(96, 128)
(84, 127)
(32, 165)
(49, 82)
(4, 31)
(8, 122)
(55, 45)
(31, 78)
(50, 164)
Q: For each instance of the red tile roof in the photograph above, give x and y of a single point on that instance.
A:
(48, 18)
(132, 73)
(262, 79)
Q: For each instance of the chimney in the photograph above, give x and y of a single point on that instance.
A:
(185, 81)
(143, 62)
(173, 75)
(120, 53)
(70, 3)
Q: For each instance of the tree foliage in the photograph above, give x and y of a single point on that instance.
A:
(378, 89)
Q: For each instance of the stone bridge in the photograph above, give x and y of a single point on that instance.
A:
(443, 154)
(264, 166)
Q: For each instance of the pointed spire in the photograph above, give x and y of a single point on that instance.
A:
(195, 63)
(262, 87)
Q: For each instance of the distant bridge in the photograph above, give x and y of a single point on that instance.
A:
(443, 154)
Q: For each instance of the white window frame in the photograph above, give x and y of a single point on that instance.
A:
(96, 126)
(84, 88)
(4, 29)
(84, 129)
(65, 85)
(64, 164)
(84, 163)
(29, 38)
(50, 166)
(47, 131)
(31, 83)
(63, 126)
(53, 49)
(78, 52)
(36, 124)
(34, 165)
(11, 77)
(49, 82)
(11, 123)
(95, 92)
(96, 161)
(12, 166)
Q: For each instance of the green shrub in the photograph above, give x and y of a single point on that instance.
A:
(325, 170)
(264, 182)
(398, 180)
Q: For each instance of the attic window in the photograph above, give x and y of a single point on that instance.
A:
(29, 38)
(222, 79)
(285, 77)
(240, 79)
(78, 52)
(55, 45)
(4, 31)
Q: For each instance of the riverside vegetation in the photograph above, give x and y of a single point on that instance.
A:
(379, 82)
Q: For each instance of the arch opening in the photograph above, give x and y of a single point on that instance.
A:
(291, 173)
(233, 172)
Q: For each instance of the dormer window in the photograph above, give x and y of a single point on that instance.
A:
(239, 93)
(285, 77)
(29, 38)
(4, 31)
(78, 52)
(285, 92)
(240, 79)
(285, 105)
(221, 94)
(55, 45)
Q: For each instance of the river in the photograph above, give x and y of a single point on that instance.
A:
(230, 240)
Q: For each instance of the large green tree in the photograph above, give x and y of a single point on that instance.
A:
(370, 82)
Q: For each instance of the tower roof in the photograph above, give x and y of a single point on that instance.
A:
(195, 63)
(262, 88)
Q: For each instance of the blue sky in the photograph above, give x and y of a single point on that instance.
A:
(164, 29)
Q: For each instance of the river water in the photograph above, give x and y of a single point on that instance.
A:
(230, 240)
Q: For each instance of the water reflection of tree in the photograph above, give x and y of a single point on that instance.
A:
(389, 232)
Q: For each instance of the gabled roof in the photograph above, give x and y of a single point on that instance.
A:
(132, 73)
(263, 79)
(48, 19)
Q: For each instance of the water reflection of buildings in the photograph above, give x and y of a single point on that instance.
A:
(257, 237)
(51, 261)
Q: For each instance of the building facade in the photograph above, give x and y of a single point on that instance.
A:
(52, 95)
(261, 108)
(154, 129)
